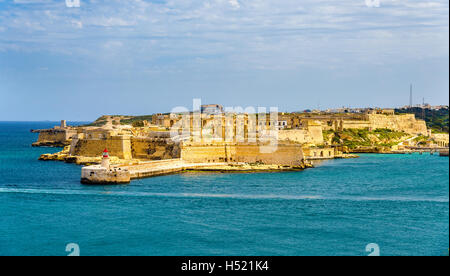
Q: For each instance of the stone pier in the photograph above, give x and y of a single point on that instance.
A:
(123, 174)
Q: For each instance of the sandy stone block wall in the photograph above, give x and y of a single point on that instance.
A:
(404, 122)
(119, 146)
(285, 154)
(294, 135)
(52, 136)
(311, 134)
(354, 124)
(154, 149)
(197, 153)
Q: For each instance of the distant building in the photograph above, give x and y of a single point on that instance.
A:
(282, 124)
(439, 107)
(212, 109)
(381, 111)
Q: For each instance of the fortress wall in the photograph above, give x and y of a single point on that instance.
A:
(54, 137)
(404, 122)
(301, 136)
(350, 124)
(294, 135)
(311, 133)
(51, 135)
(154, 149)
(286, 154)
(197, 153)
(119, 146)
(125, 143)
(316, 134)
(69, 133)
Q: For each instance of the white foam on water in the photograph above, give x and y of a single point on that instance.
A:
(232, 196)
(146, 194)
(393, 198)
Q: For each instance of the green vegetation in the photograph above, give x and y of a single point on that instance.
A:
(138, 120)
(137, 123)
(421, 140)
(387, 134)
(436, 120)
(354, 138)
(98, 123)
(326, 134)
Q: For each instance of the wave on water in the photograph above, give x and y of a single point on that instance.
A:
(146, 194)
(231, 196)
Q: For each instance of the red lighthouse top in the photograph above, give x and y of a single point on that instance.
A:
(105, 153)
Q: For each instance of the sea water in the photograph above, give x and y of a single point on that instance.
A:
(398, 202)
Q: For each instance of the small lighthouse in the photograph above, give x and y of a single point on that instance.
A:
(105, 159)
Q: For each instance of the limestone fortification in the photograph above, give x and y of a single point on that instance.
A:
(232, 140)
(283, 154)
(59, 136)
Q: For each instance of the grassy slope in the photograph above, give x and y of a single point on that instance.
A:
(437, 120)
(353, 138)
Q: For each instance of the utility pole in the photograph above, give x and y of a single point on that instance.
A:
(423, 109)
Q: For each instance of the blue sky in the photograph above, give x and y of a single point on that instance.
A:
(142, 57)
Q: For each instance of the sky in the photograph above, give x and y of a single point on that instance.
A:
(136, 57)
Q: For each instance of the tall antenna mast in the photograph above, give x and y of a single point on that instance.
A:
(410, 97)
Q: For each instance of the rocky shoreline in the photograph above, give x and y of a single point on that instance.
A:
(247, 168)
(49, 144)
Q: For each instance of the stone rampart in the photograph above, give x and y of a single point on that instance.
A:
(284, 155)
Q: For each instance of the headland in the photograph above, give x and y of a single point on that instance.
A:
(213, 140)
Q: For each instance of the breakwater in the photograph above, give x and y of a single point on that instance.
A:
(123, 174)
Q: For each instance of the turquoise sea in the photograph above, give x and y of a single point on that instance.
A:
(399, 202)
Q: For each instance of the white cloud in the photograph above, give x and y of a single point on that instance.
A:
(77, 24)
(373, 3)
(234, 3)
(262, 34)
